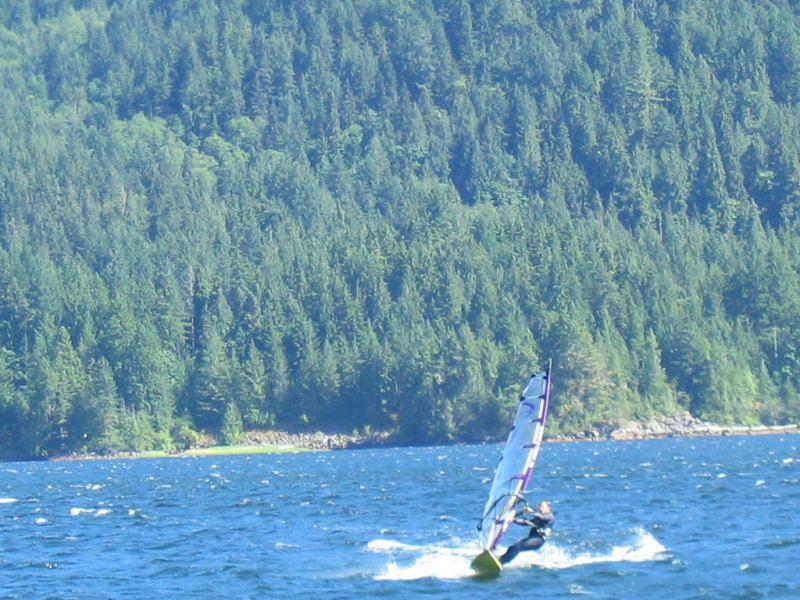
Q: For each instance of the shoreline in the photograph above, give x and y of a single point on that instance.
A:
(624, 435)
(271, 441)
(681, 425)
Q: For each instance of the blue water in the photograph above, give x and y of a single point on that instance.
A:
(679, 518)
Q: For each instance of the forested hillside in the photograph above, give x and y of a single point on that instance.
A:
(380, 214)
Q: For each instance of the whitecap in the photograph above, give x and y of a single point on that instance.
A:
(760, 482)
(41, 521)
(452, 560)
(97, 512)
(440, 566)
(642, 547)
(8, 500)
(284, 546)
(434, 561)
(383, 545)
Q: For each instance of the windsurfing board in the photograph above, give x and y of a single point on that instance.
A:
(486, 564)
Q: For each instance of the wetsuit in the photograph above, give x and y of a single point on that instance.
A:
(540, 525)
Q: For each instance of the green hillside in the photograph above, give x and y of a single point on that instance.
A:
(219, 215)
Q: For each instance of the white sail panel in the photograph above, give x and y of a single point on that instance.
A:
(517, 461)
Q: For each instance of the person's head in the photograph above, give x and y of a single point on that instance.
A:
(544, 507)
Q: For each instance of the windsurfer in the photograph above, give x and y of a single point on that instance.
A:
(540, 521)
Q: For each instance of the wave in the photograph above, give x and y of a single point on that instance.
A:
(8, 500)
(97, 512)
(442, 562)
(284, 546)
(381, 545)
(641, 547)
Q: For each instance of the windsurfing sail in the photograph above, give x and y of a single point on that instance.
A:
(516, 464)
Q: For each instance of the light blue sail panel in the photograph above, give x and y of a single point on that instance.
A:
(517, 461)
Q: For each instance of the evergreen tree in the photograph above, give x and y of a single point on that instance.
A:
(217, 216)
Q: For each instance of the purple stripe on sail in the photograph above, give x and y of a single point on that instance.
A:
(527, 478)
(529, 446)
(500, 535)
(546, 407)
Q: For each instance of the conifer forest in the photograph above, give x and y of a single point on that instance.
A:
(383, 215)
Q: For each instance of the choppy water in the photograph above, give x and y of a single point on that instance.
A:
(682, 518)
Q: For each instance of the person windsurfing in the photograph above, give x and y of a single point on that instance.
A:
(540, 521)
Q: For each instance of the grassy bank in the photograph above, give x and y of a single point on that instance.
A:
(207, 451)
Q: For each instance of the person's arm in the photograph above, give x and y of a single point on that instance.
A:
(525, 520)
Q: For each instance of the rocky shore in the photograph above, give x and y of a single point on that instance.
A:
(678, 425)
(316, 440)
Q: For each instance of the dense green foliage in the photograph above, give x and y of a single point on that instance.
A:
(232, 214)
